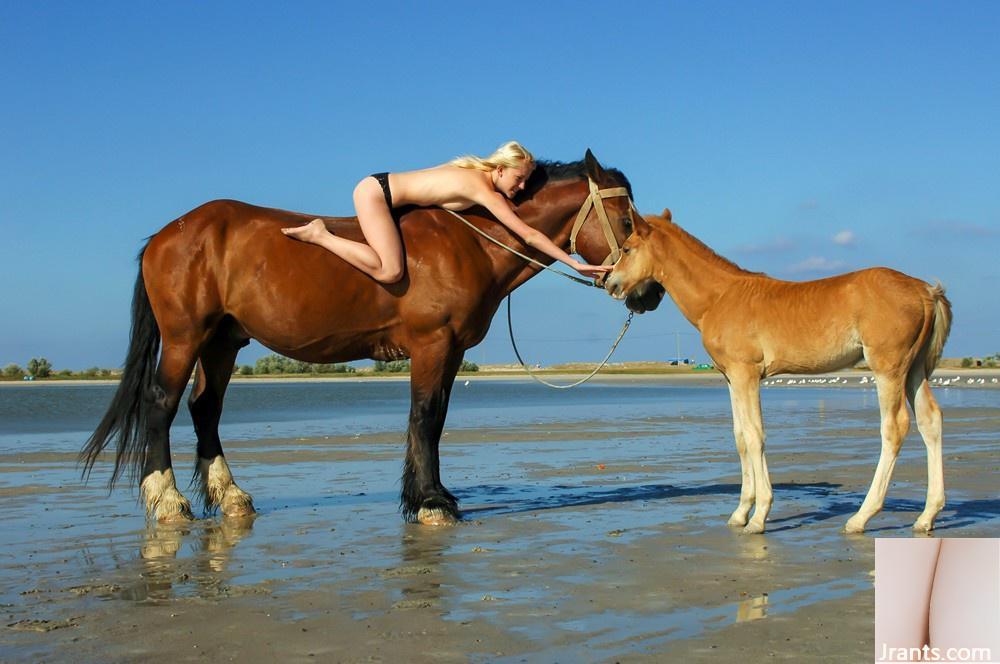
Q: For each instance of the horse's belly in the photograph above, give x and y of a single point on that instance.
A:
(814, 351)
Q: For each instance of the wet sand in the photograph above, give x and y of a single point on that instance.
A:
(601, 540)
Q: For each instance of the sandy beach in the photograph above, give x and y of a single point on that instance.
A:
(599, 540)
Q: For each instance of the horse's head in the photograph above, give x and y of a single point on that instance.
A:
(633, 277)
(605, 219)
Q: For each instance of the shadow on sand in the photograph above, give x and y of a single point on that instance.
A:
(835, 504)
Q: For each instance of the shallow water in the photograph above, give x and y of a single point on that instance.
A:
(595, 518)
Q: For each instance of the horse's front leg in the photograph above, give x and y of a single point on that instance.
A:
(432, 373)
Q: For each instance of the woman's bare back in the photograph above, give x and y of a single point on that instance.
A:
(446, 186)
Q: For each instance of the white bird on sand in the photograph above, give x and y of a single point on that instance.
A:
(994, 380)
(864, 380)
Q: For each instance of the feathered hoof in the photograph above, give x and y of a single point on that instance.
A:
(174, 510)
(753, 528)
(436, 516)
(236, 503)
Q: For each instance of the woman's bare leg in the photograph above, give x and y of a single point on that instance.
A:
(382, 257)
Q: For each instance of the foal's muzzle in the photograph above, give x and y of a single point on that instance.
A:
(644, 297)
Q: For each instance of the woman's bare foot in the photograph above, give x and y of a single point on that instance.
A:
(311, 232)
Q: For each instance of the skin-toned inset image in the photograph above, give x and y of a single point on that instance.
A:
(937, 599)
(457, 185)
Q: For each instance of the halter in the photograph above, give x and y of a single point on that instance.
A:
(596, 201)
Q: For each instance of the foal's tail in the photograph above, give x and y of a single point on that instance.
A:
(941, 329)
(126, 417)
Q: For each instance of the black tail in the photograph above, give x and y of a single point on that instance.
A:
(129, 410)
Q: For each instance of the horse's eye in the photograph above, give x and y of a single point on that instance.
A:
(625, 250)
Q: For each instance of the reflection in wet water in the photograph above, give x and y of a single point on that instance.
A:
(754, 608)
(166, 574)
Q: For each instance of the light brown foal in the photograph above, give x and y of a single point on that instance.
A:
(754, 326)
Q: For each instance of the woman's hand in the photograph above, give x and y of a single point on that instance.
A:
(592, 271)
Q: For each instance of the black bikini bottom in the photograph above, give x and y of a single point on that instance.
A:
(383, 179)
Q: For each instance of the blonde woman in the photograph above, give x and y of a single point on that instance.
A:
(456, 185)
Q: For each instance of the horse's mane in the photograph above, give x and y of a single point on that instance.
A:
(703, 248)
(546, 171)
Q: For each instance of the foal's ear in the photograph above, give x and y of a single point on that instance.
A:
(642, 227)
(667, 215)
(594, 170)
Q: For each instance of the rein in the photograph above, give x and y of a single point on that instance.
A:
(596, 201)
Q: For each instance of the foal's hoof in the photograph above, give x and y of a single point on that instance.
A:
(435, 516)
(753, 528)
(854, 526)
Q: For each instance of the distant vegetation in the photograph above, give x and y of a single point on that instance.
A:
(272, 364)
(403, 366)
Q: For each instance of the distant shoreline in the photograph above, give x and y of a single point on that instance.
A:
(682, 376)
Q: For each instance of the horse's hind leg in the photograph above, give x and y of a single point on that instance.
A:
(895, 424)
(215, 481)
(928, 415)
(159, 487)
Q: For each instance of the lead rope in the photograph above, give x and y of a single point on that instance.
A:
(518, 253)
(510, 326)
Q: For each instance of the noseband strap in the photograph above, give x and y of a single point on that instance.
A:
(596, 201)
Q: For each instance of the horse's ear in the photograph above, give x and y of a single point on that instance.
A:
(667, 215)
(594, 170)
(642, 227)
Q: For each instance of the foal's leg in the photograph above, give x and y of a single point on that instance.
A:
(928, 415)
(745, 391)
(895, 424)
(432, 373)
(215, 482)
(747, 495)
(158, 488)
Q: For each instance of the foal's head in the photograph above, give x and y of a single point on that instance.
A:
(633, 279)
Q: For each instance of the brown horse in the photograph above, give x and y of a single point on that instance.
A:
(223, 274)
(754, 326)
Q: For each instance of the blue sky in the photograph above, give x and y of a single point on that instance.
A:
(799, 139)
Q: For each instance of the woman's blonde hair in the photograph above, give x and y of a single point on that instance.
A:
(509, 155)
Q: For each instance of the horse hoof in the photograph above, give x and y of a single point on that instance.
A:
(181, 516)
(753, 528)
(736, 522)
(237, 503)
(435, 516)
(922, 526)
(853, 527)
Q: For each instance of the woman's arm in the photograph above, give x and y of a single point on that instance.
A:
(501, 209)
(904, 575)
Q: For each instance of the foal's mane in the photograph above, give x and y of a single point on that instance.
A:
(700, 247)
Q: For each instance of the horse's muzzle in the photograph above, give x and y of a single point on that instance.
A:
(644, 297)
